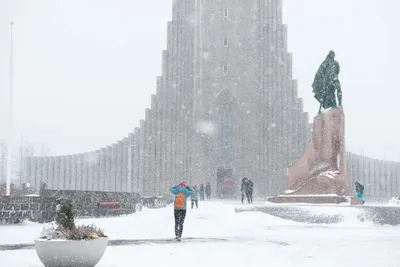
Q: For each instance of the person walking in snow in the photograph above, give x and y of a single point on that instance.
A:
(243, 188)
(194, 197)
(249, 190)
(208, 191)
(360, 191)
(201, 192)
(181, 192)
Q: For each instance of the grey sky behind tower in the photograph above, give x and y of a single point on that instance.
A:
(84, 70)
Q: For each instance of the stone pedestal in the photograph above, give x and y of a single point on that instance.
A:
(320, 175)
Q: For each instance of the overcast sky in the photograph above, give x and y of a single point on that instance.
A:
(85, 69)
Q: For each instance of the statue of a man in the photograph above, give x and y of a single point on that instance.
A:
(326, 83)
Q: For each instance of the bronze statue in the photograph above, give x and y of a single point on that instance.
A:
(326, 83)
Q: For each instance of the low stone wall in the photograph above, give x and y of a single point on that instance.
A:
(17, 209)
(43, 209)
(85, 203)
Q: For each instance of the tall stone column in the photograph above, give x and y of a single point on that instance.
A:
(85, 172)
(100, 182)
(79, 171)
(378, 175)
(29, 172)
(142, 158)
(119, 181)
(370, 172)
(127, 163)
(24, 172)
(50, 173)
(45, 169)
(91, 171)
(96, 170)
(187, 88)
(179, 27)
(108, 169)
(172, 91)
(269, 59)
(92, 167)
(370, 180)
(33, 177)
(392, 177)
(158, 132)
(38, 172)
(56, 173)
(68, 173)
(147, 138)
(383, 178)
(153, 148)
(73, 172)
(90, 181)
(388, 182)
(102, 174)
(168, 101)
(294, 124)
(114, 168)
(136, 160)
(61, 184)
(163, 118)
(300, 125)
(397, 178)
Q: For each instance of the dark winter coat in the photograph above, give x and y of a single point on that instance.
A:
(201, 189)
(243, 187)
(208, 189)
(359, 188)
(249, 186)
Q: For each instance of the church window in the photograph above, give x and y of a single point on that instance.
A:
(226, 12)
(225, 69)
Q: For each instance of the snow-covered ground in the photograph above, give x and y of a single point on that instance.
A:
(226, 238)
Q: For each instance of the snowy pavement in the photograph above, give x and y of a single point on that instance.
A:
(217, 236)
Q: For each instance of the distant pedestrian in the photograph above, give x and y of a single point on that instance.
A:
(194, 197)
(201, 192)
(208, 191)
(243, 188)
(360, 191)
(249, 190)
(181, 192)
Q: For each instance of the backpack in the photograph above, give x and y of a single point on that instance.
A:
(180, 201)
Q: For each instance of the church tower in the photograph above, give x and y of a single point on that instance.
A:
(249, 121)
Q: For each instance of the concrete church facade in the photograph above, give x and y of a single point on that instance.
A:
(226, 107)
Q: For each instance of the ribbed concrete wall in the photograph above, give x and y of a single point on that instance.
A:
(380, 178)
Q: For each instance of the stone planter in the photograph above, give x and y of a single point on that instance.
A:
(67, 253)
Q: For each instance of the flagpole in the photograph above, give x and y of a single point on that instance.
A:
(9, 145)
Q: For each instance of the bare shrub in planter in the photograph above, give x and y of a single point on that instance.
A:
(66, 228)
(66, 244)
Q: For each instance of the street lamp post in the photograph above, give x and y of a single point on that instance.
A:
(9, 145)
